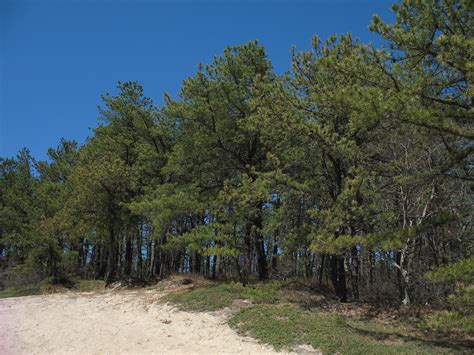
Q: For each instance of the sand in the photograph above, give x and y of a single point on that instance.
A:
(114, 322)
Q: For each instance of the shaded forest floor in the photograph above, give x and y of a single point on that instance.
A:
(192, 314)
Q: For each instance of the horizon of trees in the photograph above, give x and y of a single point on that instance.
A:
(354, 169)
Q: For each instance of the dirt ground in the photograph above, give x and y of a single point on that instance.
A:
(114, 322)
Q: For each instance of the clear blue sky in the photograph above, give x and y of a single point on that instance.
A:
(58, 56)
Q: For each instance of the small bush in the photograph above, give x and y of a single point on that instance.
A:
(448, 321)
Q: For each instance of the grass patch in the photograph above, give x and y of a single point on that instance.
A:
(217, 296)
(285, 326)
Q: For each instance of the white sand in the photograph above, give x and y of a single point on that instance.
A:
(114, 322)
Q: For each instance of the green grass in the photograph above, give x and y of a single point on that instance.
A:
(217, 296)
(285, 326)
(47, 286)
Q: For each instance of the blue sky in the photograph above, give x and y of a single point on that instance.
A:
(58, 56)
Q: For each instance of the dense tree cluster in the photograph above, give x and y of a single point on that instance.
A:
(354, 169)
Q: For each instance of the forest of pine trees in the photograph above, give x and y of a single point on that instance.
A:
(353, 170)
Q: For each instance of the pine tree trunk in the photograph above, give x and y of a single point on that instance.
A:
(275, 255)
(128, 255)
(214, 262)
(338, 277)
(321, 270)
(262, 265)
(112, 259)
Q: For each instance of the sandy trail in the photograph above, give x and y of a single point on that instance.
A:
(116, 322)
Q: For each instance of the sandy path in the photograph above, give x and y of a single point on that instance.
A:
(119, 322)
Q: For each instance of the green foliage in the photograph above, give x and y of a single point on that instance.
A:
(20, 205)
(461, 270)
(435, 44)
(462, 300)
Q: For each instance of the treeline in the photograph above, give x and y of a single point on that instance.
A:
(354, 169)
